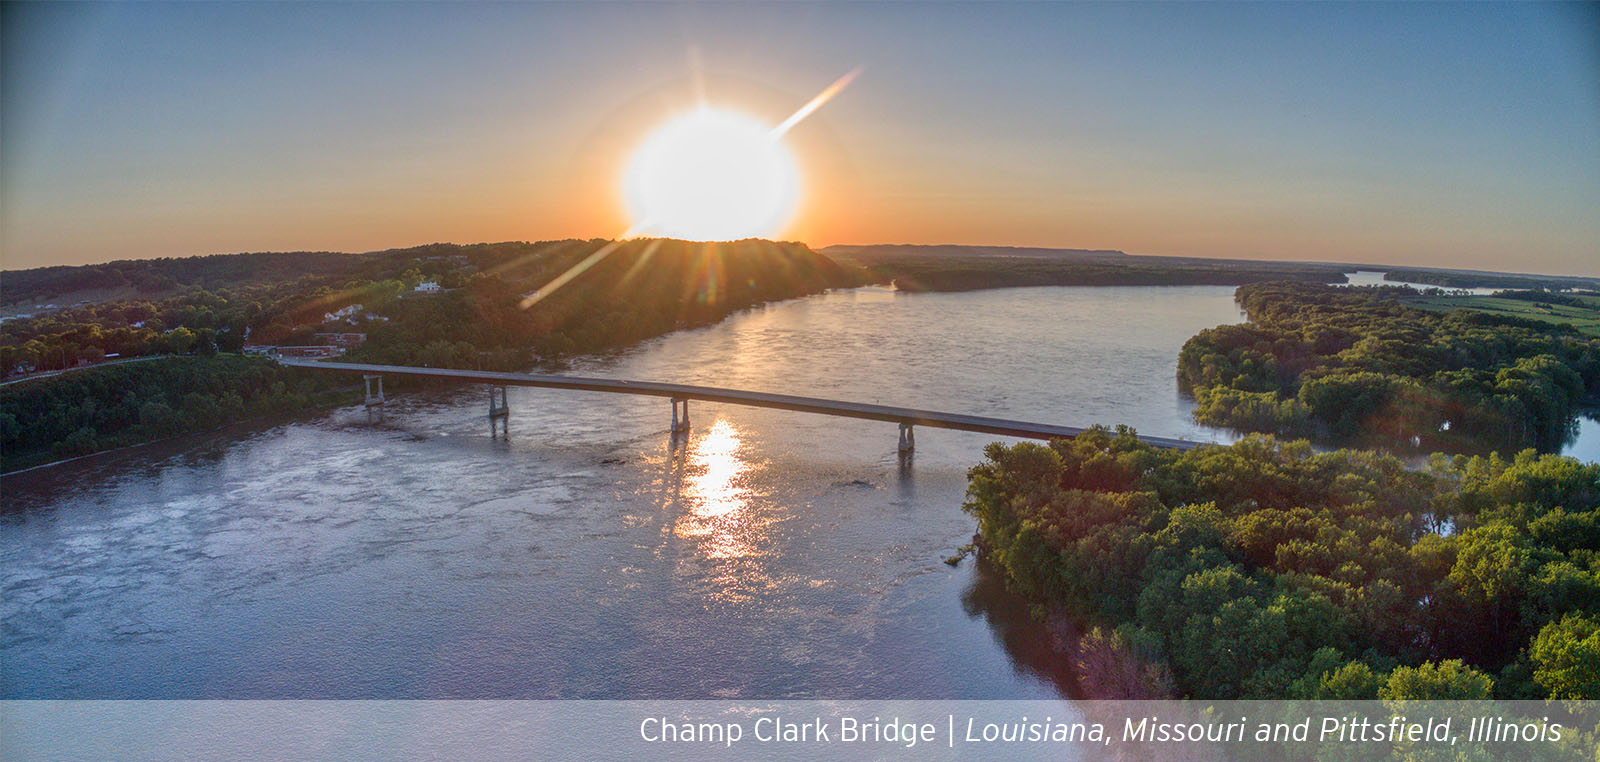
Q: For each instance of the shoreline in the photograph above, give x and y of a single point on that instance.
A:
(241, 424)
(553, 365)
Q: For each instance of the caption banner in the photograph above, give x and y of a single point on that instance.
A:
(800, 730)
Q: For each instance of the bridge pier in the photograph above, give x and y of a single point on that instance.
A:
(908, 438)
(680, 424)
(374, 401)
(499, 410)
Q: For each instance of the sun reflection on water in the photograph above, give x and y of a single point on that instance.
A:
(715, 493)
(720, 513)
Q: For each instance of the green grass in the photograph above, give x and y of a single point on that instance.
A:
(1585, 318)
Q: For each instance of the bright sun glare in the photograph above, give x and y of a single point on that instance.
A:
(712, 175)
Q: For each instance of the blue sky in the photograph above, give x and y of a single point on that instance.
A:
(1428, 134)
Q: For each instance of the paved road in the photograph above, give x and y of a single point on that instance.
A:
(48, 374)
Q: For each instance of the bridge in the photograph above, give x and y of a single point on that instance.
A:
(681, 394)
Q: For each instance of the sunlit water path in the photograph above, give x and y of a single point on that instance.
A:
(771, 555)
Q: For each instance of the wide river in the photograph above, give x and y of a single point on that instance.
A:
(770, 555)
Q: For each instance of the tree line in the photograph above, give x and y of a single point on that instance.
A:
(1355, 366)
(119, 405)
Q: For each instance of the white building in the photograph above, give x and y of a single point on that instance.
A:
(428, 287)
(341, 313)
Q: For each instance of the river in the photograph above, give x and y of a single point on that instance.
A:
(770, 555)
(1375, 278)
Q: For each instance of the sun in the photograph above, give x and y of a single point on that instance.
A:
(711, 175)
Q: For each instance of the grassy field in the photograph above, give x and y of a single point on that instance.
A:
(1585, 318)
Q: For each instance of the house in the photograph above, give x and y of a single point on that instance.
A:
(428, 287)
(341, 313)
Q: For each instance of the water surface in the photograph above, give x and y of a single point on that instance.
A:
(768, 555)
(1375, 278)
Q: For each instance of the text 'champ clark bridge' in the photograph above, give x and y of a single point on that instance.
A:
(680, 394)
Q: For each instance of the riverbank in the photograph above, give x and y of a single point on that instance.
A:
(1265, 570)
(1361, 368)
(638, 290)
(230, 430)
(110, 407)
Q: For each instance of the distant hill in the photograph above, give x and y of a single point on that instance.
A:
(963, 268)
(951, 267)
(135, 278)
(937, 267)
(144, 279)
(881, 252)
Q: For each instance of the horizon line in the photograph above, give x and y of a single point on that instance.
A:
(1360, 266)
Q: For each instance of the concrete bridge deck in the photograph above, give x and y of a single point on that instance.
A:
(679, 392)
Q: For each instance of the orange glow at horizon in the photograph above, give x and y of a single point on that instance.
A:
(1316, 133)
(707, 175)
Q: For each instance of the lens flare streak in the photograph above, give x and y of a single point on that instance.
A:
(826, 95)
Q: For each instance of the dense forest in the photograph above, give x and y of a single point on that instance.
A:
(118, 405)
(1357, 366)
(1266, 570)
(480, 318)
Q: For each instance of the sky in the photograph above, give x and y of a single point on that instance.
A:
(1438, 135)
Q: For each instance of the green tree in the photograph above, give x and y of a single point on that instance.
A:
(179, 341)
(1566, 658)
(205, 342)
(1450, 679)
(1355, 681)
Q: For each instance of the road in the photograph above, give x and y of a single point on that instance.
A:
(49, 373)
